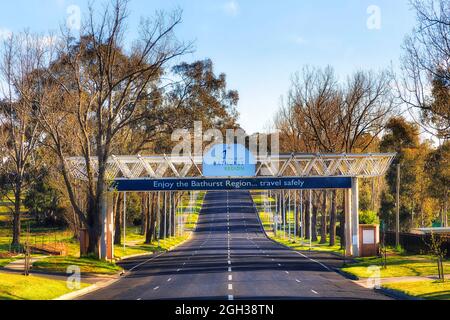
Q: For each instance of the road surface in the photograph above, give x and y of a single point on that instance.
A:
(230, 258)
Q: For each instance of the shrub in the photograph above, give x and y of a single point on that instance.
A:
(368, 217)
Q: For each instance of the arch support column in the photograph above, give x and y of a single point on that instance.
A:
(355, 216)
(351, 198)
(348, 222)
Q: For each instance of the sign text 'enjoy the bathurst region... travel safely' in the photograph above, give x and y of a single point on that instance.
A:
(208, 184)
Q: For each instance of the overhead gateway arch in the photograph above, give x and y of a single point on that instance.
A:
(275, 172)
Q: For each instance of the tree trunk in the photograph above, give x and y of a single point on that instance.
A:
(307, 220)
(314, 222)
(94, 225)
(143, 214)
(323, 222)
(16, 217)
(161, 216)
(172, 216)
(118, 219)
(333, 217)
(152, 216)
(298, 214)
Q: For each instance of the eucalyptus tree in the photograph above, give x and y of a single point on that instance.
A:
(324, 114)
(20, 132)
(425, 80)
(95, 87)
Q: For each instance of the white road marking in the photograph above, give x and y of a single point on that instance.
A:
(178, 270)
(298, 281)
(230, 286)
(287, 272)
(156, 288)
(229, 262)
(318, 262)
(229, 269)
(279, 265)
(230, 297)
(137, 266)
(315, 292)
(170, 279)
(230, 278)
(139, 299)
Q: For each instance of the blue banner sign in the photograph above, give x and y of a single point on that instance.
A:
(229, 160)
(219, 184)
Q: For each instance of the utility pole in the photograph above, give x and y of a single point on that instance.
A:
(124, 223)
(397, 216)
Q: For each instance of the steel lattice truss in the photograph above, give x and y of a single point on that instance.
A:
(294, 165)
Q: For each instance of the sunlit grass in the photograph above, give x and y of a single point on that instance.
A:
(282, 236)
(397, 266)
(304, 245)
(86, 265)
(141, 248)
(135, 242)
(18, 287)
(430, 290)
(4, 262)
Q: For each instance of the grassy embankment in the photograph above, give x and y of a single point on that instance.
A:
(134, 245)
(398, 265)
(429, 290)
(294, 241)
(19, 287)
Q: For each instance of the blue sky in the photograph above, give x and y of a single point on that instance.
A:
(259, 44)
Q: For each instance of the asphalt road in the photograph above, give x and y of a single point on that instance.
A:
(230, 258)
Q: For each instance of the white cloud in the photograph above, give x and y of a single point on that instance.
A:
(231, 8)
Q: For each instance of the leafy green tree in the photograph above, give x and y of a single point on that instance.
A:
(43, 202)
(368, 217)
(438, 168)
(415, 208)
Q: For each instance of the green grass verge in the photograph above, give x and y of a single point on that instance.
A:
(295, 242)
(4, 262)
(430, 290)
(397, 266)
(136, 249)
(86, 265)
(315, 246)
(134, 244)
(18, 287)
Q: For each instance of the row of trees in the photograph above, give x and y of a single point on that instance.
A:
(95, 95)
(321, 113)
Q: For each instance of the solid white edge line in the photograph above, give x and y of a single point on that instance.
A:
(142, 263)
(311, 259)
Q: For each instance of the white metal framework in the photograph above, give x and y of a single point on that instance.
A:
(290, 165)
